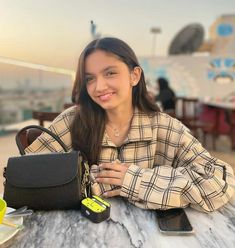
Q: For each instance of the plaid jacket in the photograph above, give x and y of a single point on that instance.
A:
(169, 167)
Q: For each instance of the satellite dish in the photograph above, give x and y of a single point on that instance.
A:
(188, 40)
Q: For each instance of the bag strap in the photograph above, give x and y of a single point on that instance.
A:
(21, 147)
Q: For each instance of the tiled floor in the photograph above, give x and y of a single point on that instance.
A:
(223, 150)
(8, 148)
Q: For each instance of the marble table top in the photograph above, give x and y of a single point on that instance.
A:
(128, 226)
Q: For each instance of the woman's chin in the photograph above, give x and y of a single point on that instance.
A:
(107, 106)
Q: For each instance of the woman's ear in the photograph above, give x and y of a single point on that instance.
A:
(135, 75)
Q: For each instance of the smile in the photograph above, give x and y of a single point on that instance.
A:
(105, 97)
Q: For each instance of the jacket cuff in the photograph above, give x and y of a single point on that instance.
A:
(131, 183)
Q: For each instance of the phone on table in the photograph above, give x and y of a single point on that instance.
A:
(174, 222)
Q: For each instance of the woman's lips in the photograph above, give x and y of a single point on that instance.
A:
(105, 97)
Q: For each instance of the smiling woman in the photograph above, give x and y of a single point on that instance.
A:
(135, 150)
(110, 90)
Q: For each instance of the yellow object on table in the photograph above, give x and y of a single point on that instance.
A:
(3, 207)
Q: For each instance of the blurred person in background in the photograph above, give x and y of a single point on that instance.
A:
(166, 96)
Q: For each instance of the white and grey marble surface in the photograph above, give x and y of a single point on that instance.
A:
(128, 226)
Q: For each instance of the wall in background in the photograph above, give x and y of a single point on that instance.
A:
(194, 76)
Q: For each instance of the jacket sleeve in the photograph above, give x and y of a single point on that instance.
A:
(195, 178)
(61, 127)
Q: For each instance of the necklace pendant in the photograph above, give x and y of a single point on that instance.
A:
(116, 133)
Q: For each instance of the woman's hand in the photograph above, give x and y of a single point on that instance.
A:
(112, 173)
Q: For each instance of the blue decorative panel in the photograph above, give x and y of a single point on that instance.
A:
(224, 29)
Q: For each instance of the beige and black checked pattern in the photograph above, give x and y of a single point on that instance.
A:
(168, 167)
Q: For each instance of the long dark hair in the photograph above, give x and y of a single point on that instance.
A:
(88, 127)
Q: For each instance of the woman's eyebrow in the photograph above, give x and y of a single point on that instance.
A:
(103, 70)
(109, 67)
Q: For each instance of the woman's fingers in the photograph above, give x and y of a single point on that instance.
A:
(115, 166)
(112, 166)
(112, 193)
(107, 180)
(112, 174)
(109, 173)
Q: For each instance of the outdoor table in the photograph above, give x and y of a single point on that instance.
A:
(221, 106)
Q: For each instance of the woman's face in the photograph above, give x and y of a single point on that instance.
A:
(109, 80)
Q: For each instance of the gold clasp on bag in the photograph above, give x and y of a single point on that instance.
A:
(85, 183)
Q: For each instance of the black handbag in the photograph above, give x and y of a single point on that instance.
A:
(49, 181)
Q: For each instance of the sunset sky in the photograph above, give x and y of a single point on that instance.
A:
(53, 32)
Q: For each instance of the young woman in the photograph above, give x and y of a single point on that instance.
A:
(141, 154)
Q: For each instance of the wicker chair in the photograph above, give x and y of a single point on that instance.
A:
(28, 136)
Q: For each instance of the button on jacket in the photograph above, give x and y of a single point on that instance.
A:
(168, 167)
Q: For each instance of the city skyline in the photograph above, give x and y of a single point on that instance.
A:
(54, 32)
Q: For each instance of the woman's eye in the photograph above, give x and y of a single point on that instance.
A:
(89, 79)
(110, 73)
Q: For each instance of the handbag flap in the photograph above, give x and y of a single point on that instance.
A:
(42, 170)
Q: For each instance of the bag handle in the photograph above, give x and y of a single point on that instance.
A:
(20, 146)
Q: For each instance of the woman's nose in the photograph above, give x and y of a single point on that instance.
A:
(100, 84)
